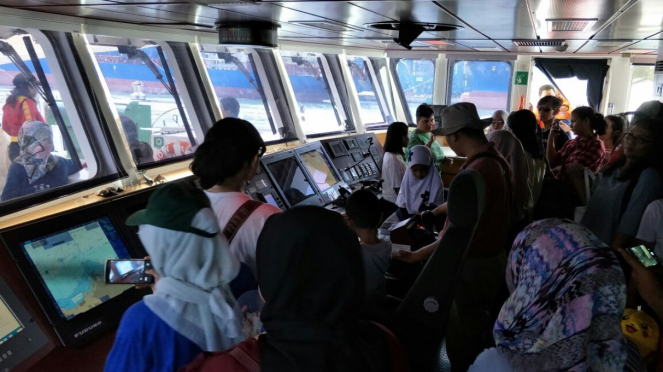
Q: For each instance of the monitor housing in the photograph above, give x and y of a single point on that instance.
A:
(317, 164)
(291, 179)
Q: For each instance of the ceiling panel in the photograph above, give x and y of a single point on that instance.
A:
(509, 20)
(555, 9)
(126, 14)
(651, 45)
(419, 11)
(642, 20)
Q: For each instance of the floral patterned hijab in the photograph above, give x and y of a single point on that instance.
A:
(34, 139)
(567, 297)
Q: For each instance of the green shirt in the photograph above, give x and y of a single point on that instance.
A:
(420, 138)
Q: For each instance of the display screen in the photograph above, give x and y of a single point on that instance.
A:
(128, 272)
(270, 200)
(319, 169)
(290, 177)
(70, 265)
(9, 324)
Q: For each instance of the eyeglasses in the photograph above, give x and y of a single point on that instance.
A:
(638, 140)
(544, 109)
(498, 121)
(261, 151)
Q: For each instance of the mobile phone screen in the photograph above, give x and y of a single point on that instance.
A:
(128, 272)
(644, 255)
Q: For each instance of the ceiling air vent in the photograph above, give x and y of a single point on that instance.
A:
(570, 24)
(328, 26)
(539, 43)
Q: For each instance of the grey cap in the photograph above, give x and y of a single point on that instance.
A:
(458, 116)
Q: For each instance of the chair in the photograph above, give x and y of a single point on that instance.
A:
(422, 317)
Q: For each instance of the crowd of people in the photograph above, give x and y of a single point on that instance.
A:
(534, 294)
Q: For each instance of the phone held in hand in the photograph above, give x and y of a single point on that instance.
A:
(128, 271)
(645, 255)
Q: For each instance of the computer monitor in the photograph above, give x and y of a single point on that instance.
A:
(20, 336)
(290, 178)
(319, 168)
(63, 260)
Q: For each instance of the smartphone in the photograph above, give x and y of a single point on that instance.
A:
(644, 255)
(128, 271)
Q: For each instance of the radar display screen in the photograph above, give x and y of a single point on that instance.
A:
(292, 180)
(319, 169)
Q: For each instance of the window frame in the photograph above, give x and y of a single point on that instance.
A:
(452, 63)
(328, 79)
(399, 86)
(379, 94)
(262, 81)
(68, 67)
(630, 82)
(195, 127)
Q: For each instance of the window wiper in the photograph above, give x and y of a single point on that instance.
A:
(229, 58)
(134, 53)
(8, 51)
(355, 67)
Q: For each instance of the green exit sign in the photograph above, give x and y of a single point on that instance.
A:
(521, 77)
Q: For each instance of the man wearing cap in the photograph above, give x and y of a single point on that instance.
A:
(19, 108)
(470, 324)
(191, 309)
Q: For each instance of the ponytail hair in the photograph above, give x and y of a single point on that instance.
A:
(229, 146)
(394, 141)
(597, 122)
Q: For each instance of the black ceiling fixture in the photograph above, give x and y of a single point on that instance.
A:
(410, 31)
(254, 34)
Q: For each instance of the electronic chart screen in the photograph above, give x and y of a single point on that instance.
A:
(292, 180)
(319, 169)
(70, 265)
(10, 326)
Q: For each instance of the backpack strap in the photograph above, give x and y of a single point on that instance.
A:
(245, 359)
(237, 220)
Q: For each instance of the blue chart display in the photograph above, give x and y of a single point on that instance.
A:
(10, 326)
(70, 265)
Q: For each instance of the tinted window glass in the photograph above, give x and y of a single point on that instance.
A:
(642, 86)
(238, 85)
(417, 79)
(371, 110)
(42, 159)
(315, 104)
(140, 90)
(484, 83)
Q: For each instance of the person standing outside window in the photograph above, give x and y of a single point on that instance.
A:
(19, 108)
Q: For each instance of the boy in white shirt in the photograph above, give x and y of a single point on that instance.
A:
(650, 232)
(363, 213)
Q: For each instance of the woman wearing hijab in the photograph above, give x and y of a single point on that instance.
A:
(509, 146)
(524, 126)
(36, 169)
(567, 298)
(191, 309)
(499, 121)
(422, 187)
(312, 280)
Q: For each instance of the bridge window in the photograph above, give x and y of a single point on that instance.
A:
(33, 88)
(237, 82)
(317, 102)
(642, 86)
(373, 107)
(417, 79)
(484, 83)
(143, 91)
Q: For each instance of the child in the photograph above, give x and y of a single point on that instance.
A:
(363, 211)
(422, 187)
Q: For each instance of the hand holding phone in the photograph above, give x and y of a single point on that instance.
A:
(646, 257)
(128, 271)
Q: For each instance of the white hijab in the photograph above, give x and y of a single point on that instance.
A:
(412, 189)
(193, 296)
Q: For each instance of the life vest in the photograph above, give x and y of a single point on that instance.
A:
(174, 149)
(24, 109)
